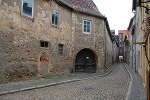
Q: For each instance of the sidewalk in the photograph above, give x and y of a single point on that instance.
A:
(45, 82)
(136, 89)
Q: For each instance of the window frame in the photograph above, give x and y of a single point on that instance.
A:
(62, 49)
(26, 15)
(86, 26)
(120, 35)
(44, 44)
(56, 14)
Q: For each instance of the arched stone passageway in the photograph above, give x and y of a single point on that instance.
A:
(85, 61)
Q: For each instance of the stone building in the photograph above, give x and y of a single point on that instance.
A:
(115, 48)
(122, 34)
(52, 37)
(140, 31)
(131, 35)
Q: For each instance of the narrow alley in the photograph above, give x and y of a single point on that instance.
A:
(74, 50)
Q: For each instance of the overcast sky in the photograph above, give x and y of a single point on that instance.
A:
(118, 12)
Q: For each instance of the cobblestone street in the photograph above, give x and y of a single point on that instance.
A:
(114, 86)
(74, 50)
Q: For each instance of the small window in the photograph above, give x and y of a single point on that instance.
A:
(60, 49)
(121, 35)
(54, 17)
(86, 26)
(27, 8)
(44, 44)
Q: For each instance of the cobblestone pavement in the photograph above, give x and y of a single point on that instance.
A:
(137, 89)
(114, 86)
(48, 81)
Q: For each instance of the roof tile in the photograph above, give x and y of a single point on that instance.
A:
(86, 6)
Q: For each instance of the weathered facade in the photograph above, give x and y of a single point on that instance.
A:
(108, 50)
(141, 42)
(46, 37)
(115, 48)
(131, 32)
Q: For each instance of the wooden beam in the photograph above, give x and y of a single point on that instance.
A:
(138, 42)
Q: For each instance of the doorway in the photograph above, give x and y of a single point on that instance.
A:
(85, 61)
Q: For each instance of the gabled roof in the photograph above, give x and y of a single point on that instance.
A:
(85, 6)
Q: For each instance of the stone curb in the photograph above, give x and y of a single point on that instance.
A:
(130, 84)
(53, 84)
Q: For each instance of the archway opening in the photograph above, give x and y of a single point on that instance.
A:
(85, 61)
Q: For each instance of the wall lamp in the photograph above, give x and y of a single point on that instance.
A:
(135, 3)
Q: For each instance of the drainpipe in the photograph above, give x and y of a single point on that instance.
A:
(112, 53)
(132, 52)
(135, 53)
(105, 44)
(135, 50)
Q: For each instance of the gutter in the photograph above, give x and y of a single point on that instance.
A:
(108, 28)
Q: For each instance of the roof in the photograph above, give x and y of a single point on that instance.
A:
(131, 22)
(85, 6)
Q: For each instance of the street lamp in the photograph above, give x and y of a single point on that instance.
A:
(139, 4)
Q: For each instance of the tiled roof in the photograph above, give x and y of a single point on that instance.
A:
(86, 6)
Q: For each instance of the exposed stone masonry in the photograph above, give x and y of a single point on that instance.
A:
(22, 57)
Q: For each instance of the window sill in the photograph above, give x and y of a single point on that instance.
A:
(87, 33)
(27, 17)
(54, 26)
(44, 47)
(61, 56)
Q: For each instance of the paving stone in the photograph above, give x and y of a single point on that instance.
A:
(113, 86)
(137, 88)
(110, 87)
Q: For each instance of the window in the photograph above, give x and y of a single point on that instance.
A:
(120, 45)
(60, 49)
(27, 8)
(120, 35)
(120, 50)
(54, 17)
(44, 44)
(86, 26)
